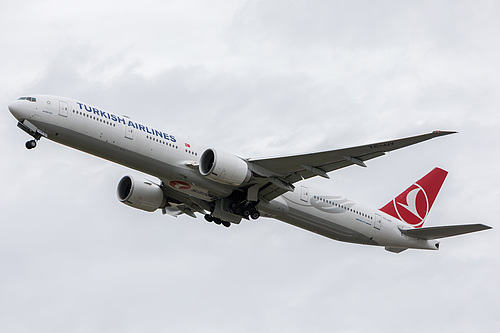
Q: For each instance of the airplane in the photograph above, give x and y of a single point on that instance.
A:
(226, 189)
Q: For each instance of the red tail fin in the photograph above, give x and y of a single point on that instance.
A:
(413, 205)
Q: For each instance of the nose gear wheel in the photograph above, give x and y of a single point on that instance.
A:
(31, 144)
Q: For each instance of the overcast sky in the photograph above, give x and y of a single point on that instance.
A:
(257, 78)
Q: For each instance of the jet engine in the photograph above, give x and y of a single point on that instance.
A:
(140, 194)
(224, 168)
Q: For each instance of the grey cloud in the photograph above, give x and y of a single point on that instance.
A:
(271, 78)
(364, 24)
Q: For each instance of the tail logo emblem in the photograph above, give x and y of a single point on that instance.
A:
(415, 209)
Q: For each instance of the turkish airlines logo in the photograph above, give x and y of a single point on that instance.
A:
(180, 185)
(412, 206)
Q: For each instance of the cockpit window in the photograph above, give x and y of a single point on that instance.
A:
(31, 99)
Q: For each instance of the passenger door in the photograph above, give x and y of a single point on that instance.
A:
(63, 108)
(378, 222)
(304, 194)
(129, 132)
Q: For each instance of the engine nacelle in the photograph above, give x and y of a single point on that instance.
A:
(140, 194)
(224, 168)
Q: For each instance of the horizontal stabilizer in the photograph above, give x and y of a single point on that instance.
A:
(443, 231)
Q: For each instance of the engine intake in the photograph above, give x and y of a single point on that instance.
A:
(224, 168)
(141, 194)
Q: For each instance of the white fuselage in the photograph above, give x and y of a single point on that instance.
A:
(174, 161)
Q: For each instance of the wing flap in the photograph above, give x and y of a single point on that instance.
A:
(429, 233)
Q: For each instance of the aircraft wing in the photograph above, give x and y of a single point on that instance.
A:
(280, 173)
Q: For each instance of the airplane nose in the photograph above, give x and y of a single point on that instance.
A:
(14, 107)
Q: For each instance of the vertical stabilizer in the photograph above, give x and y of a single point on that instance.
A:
(413, 205)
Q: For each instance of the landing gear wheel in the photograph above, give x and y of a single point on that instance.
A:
(31, 144)
(209, 218)
(226, 224)
(255, 215)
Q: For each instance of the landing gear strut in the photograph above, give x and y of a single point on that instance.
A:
(32, 130)
(31, 144)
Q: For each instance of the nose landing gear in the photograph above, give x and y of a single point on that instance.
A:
(32, 130)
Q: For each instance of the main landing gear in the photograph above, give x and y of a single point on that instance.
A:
(240, 203)
(31, 144)
(247, 212)
(210, 218)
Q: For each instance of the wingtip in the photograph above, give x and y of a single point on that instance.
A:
(481, 227)
(440, 132)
